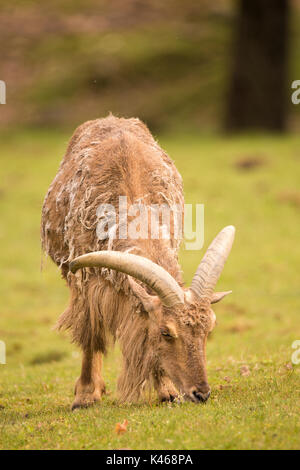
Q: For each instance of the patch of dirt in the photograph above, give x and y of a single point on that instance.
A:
(224, 387)
(290, 196)
(234, 308)
(250, 162)
(227, 379)
(239, 327)
(51, 356)
(245, 371)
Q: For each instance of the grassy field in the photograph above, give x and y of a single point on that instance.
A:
(251, 182)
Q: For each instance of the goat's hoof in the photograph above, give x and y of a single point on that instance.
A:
(84, 402)
(87, 395)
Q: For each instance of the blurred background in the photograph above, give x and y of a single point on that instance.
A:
(194, 65)
(212, 80)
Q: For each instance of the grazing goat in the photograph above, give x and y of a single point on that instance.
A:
(127, 288)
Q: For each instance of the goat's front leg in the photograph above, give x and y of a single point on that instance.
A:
(165, 389)
(90, 385)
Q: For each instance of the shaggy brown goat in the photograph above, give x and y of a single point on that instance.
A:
(162, 336)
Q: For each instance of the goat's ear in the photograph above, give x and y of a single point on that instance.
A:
(151, 303)
(217, 296)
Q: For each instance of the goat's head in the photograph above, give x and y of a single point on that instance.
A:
(179, 319)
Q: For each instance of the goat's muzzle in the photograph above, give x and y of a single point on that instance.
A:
(199, 394)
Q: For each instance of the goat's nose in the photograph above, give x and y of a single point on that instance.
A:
(201, 393)
(201, 396)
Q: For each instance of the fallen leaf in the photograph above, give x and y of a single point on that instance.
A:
(245, 371)
(224, 387)
(121, 427)
(227, 379)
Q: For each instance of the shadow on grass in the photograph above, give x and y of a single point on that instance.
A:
(51, 356)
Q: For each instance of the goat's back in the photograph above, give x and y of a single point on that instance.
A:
(105, 159)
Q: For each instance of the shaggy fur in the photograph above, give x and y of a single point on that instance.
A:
(107, 158)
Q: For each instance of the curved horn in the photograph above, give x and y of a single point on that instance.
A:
(212, 264)
(136, 266)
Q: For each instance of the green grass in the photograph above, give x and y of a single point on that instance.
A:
(256, 325)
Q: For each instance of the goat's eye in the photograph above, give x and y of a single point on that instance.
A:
(165, 333)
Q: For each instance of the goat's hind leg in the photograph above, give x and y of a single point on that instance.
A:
(89, 386)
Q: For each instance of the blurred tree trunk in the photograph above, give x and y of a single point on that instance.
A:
(257, 94)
